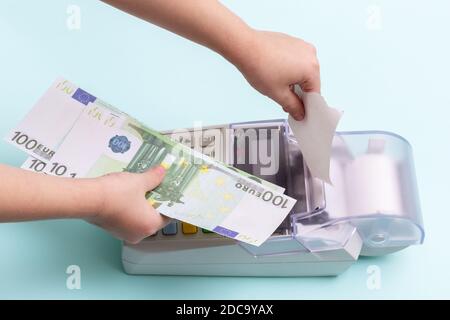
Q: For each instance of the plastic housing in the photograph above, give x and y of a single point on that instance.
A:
(374, 191)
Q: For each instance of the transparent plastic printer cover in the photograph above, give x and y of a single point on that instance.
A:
(374, 189)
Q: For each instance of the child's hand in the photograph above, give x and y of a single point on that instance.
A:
(124, 211)
(275, 62)
(271, 62)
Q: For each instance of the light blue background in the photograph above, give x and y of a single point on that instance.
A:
(394, 79)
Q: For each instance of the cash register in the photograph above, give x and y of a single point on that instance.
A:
(370, 209)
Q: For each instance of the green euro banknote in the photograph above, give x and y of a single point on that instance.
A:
(99, 139)
(44, 127)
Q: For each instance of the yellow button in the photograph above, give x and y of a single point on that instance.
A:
(188, 228)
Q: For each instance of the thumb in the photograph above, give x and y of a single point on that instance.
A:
(153, 177)
(292, 104)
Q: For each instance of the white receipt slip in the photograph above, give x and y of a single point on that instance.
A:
(315, 133)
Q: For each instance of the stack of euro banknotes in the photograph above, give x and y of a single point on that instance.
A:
(71, 133)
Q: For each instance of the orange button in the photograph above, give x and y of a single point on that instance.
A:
(188, 228)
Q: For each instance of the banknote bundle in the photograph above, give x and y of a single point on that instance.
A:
(71, 133)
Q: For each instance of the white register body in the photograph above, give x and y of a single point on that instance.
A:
(371, 207)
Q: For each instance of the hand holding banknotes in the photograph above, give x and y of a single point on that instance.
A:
(115, 202)
(123, 210)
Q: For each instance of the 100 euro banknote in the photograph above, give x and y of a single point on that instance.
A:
(99, 139)
(44, 128)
